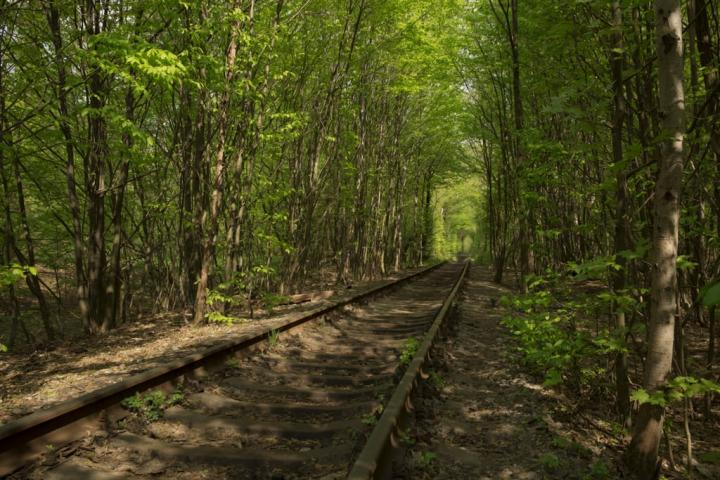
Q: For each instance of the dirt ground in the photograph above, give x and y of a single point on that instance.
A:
(41, 379)
(484, 418)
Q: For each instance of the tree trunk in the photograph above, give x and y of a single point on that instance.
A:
(210, 219)
(95, 179)
(53, 18)
(621, 199)
(6, 144)
(643, 450)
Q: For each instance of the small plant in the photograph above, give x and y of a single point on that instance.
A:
(273, 338)
(549, 461)
(599, 471)
(425, 459)
(406, 439)
(409, 350)
(436, 380)
(712, 458)
(562, 442)
(272, 300)
(369, 419)
(233, 363)
(217, 317)
(152, 405)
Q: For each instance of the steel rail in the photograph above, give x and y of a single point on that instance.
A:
(375, 460)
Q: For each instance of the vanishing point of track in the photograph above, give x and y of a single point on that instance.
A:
(324, 399)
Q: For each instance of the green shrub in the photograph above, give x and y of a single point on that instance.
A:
(409, 350)
(151, 405)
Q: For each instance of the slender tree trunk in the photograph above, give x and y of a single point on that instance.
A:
(95, 174)
(210, 219)
(53, 18)
(6, 145)
(527, 264)
(32, 281)
(9, 247)
(643, 450)
(621, 199)
(114, 288)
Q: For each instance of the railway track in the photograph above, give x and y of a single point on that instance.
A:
(318, 399)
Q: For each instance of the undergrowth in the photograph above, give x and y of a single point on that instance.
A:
(151, 406)
(409, 350)
(566, 336)
(564, 333)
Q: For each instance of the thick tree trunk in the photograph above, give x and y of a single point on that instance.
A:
(643, 450)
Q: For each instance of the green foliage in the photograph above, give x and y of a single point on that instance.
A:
(406, 439)
(711, 296)
(219, 317)
(369, 419)
(562, 442)
(598, 471)
(155, 80)
(455, 218)
(596, 268)
(238, 291)
(272, 300)
(552, 340)
(547, 341)
(13, 273)
(684, 263)
(436, 380)
(710, 457)
(675, 390)
(425, 459)
(549, 461)
(409, 350)
(273, 338)
(151, 405)
(10, 275)
(233, 363)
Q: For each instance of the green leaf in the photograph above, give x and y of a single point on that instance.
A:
(683, 263)
(552, 378)
(710, 457)
(655, 398)
(712, 295)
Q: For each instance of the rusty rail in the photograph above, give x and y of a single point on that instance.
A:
(375, 460)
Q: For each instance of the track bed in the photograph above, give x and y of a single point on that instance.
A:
(301, 408)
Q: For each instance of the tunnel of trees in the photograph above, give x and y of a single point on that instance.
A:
(191, 155)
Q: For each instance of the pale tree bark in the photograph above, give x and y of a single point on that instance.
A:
(643, 450)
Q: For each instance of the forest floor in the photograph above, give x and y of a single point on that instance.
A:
(41, 379)
(485, 418)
